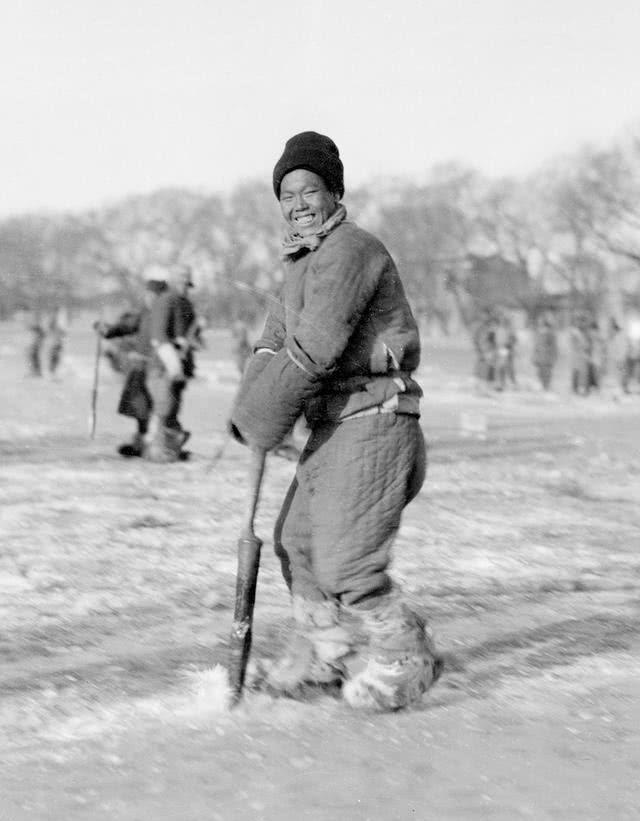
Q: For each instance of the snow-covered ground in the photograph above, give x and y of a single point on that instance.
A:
(117, 582)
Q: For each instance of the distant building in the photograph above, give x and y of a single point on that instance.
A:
(488, 282)
(495, 281)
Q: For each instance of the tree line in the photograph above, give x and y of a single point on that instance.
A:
(570, 232)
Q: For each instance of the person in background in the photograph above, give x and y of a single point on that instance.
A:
(484, 345)
(34, 348)
(616, 351)
(135, 399)
(173, 330)
(504, 354)
(545, 350)
(188, 326)
(580, 351)
(512, 348)
(341, 347)
(597, 366)
(631, 367)
(57, 335)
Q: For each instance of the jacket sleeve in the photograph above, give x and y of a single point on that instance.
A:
(341, 285)
(271, 397)
(249, 405)
(343, 280)
(126, 325)
(273, 389)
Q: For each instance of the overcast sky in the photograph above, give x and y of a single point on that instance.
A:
(103, 98)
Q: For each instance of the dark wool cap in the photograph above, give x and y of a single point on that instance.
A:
(316, 153)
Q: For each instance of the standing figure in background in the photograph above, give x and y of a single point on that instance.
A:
(135, 399)
(240, 346)
(512, 347)
(631, 366)
(34, 349)
(484, 345)
(57, 334)
(188, 326)
(174, 329)
(545, 350)
(616, 353)
(504, 353)
(597, 356)
(580, 350)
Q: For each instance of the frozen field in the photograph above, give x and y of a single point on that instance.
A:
(117, 583)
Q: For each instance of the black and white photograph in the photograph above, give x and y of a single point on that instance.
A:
(320, 431)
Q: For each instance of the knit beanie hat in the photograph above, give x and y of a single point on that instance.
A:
(316, 153)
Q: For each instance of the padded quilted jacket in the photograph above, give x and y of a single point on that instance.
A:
(345, 318)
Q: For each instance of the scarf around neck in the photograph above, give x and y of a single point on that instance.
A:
(293, 243)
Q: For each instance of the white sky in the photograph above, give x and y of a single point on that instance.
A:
(103, 98)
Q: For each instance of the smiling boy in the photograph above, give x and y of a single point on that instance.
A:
(340, 347)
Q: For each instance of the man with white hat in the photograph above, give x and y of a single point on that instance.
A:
(173, 331)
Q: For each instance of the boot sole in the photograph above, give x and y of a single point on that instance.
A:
(129, 451)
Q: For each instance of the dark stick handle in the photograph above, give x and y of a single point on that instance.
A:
(256, 472)
(249, 546)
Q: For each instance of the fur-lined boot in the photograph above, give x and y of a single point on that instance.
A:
(164, 444)
(398, 663)
(314, 659)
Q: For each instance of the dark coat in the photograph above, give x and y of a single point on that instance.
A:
(135, 400)
(173, 319)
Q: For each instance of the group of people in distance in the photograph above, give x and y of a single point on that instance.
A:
(592, 352)
(595, 352)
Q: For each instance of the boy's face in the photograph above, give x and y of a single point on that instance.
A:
(305, 201)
